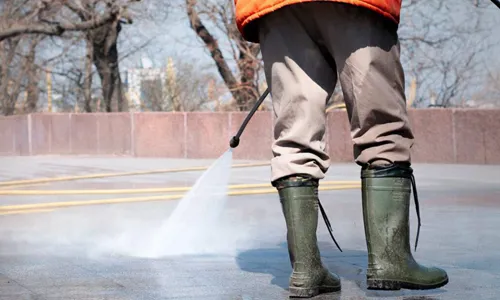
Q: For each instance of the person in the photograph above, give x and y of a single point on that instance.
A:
(306, 46)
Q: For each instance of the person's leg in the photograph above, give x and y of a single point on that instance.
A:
(301, 82)
(367, 53)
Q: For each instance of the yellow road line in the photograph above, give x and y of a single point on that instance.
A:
(25, 211)
(118, 174)
(22, 185)
(142, 191)
(53, 205)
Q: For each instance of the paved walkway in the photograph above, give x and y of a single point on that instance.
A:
(98, 251)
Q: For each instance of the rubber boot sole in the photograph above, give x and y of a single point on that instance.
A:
(311, 292)
(394, 285)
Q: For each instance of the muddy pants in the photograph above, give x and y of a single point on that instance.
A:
(305, 47)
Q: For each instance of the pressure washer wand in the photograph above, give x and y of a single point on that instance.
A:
(235, 141)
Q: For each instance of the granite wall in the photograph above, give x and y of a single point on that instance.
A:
(466, 136)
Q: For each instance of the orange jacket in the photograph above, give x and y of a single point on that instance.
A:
(250, 10)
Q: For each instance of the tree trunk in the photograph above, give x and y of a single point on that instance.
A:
(33, 78)
(8, 54)
(105, 57)
(87, 82)
(118, 90)
(104, 72)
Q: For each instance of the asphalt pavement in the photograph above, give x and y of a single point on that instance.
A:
(72, 245)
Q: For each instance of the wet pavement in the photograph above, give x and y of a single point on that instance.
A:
(96, 251)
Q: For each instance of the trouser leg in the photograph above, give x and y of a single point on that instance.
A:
(301, 81)
(367, 52)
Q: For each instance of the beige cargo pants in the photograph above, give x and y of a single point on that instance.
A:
(305, 47)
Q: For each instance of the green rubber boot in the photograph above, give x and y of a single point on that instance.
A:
(299, 201)
(386, 203)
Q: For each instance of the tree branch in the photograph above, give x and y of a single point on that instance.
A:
(59, 28)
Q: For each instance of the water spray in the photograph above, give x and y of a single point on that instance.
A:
(235, 141)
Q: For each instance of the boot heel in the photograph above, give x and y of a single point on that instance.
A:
(377, 284)
(303, 292)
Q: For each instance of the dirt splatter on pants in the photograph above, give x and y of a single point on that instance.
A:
(306, 48)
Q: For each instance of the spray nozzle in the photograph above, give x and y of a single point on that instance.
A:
(235, 141)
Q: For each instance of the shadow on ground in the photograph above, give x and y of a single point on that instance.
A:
(350, 265)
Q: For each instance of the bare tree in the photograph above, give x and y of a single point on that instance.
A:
(102, 49)
(99, 20)
(443, 47)
(16, 59)
(32, 19)
(242, 83)
(19, 74)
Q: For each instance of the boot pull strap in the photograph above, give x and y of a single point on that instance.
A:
(328, 225)
(417, 207)
(303, 181)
